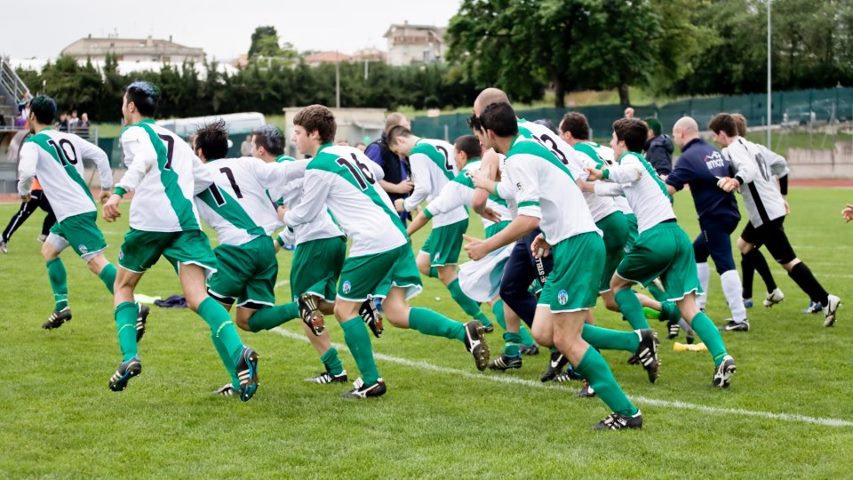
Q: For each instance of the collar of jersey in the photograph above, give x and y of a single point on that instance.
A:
(627, 153)
(322, 147)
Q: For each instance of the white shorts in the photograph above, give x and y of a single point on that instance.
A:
(481, 280)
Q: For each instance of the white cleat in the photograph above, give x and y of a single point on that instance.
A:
(829, 310)
(773, 298)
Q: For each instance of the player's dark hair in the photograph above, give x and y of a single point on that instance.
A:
(212, 139)
(723, 122)
(576, 124)
(317, 118)
(654, 125)
(145, 96)
(633, 132)
(740, 121)
(396, 132)
(43, 108)
(470, 145)
(500, 118)
(269, 137)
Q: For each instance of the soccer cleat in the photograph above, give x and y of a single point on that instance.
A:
(371, 316)
(556, 365)
(125, 372)
(673, 331)
(326, 378)
(226, 390)
(832, 304)
(311, 314)
(505, 362)
(814, 307)
(733, 326)
(41, 238)
(475, 342)
(586, 391)
(361, 391)
(773, 298)
(4, 247)
(615, 421)
(690, 338)
(141, 318)
(569, 375)
(723, 373)
(56, 319)
(488, 328)
(647, 353)
(529, 351)
(247, 373)
(747, 303)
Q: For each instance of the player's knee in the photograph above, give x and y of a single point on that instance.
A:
(243, 323)
(48, 252)
(790, 265)
(396, 312)
(447, 274)
(345, 311)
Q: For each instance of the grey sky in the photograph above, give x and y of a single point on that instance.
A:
(222, 28)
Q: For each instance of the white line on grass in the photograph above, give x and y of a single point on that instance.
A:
(787, 417)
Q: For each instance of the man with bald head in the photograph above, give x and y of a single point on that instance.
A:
(701, 166)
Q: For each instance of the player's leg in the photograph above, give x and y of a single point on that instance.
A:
(724, 364)
(49, 219)
(369, 384)
(18, 219)
(519, 273)
(449, 276)
(719, 246)
(701, 253)
(58, 278)
(749, 244)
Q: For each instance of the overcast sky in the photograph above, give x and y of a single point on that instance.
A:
(222, 28)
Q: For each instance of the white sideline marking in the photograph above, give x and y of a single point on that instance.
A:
(788, 417)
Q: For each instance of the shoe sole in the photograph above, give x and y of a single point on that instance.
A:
(248, 389)
(141, 320)
(829, 320)
(653, 369)
(316, 321)
(122, 382)
(481, 352)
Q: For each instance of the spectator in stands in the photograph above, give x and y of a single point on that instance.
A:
(73, 120)
(82, 128)
(63, 122)
(658, 148)
(246, 147)
(396, 181)
(629, 112)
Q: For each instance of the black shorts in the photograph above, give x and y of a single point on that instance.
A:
(772, 235)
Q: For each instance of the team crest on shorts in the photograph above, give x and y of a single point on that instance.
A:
(437, 256)
(347, 286)
(563, 297)
(83, 249)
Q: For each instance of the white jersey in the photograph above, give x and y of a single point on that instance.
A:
(165, 175)
(599, 206)
(761, 195)
(544, 188)
(433, 166)
(56, 158)
(459, 192)
(237, 205)
(646, 193)
(606, 154)
(343, 180)
(323, 227)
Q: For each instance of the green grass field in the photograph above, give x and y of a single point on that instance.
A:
(788, 413)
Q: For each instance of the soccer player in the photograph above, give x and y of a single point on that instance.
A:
(480, 280)
(699, 166)
(766, 209)
(165, 176)
(433, 167)
(37, 200)
(342, 180)
(662, 249)
(548, 198)
(57, 159)
(320, 249)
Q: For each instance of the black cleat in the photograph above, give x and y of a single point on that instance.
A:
(311, 314)
(586, 391)
(56, 319)
(673, 331)
(226, 390)
(488, 328)
(141, 318)
(326, 378)
(555, 367)
(529, 351)
(614, 421)
(475, 342)
(361, 391)
(733, 326)
(247, 373)
(647, 353)
(125, 372)
(723, 373)
(504, 363)
(371, 316)
(570, 375)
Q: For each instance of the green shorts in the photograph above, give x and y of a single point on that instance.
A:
(316, 267)
(375, 275)
(633, 232)
(662, 251)
(444, 244)
(141, 250)
(615, 229)
(572, 284)
(81, 232)
(246, 274)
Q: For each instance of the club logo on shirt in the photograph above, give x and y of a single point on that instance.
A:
(519, 187)
(347, 286)
(563, 297)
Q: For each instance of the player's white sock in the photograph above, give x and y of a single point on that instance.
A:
(704, 280)
(732, 288)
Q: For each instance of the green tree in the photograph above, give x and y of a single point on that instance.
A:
(264, 42)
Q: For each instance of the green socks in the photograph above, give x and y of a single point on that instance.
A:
(222, 330)
(59, 283)
(226, 360)
(271, 317)
(710, 336)
(356, 338)
(594, 368)
(108, 276)
(125, 315)
(431, 323)
(433, 272)
(607, 339)
(498, 312)
(332, 362)
(511, 343)
(470, 307)
(631, 309)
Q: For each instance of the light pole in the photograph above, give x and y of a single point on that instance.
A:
(769, 76)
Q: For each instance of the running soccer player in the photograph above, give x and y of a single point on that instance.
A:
(662, 249)
(36, 200)
(57, 159)
(380, 262)
(548, 198)
(433, 167)
(165, 176)
(766, 209)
